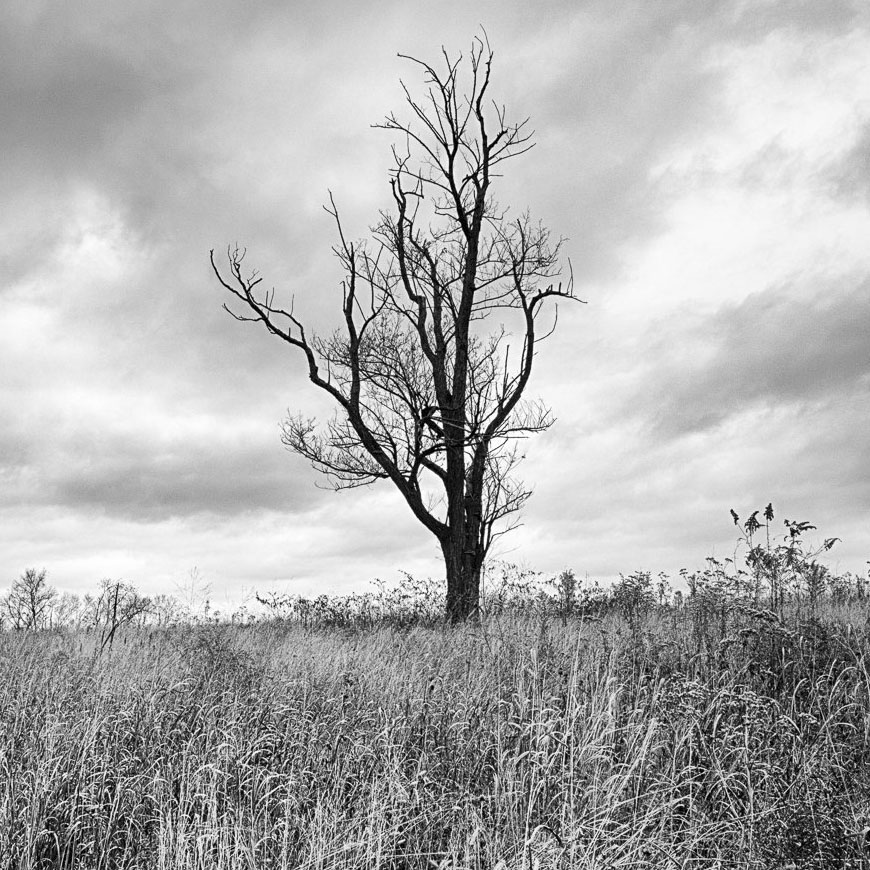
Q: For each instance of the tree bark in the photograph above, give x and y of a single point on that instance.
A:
(463, 569)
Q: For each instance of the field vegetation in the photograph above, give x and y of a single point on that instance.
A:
(724, 725)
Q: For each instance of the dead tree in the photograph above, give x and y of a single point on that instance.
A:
(440, 326)
(29, 602)
(118, 604)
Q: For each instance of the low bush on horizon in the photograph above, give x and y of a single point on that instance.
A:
(572, 726)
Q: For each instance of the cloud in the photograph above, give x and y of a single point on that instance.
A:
(849, 176)
(153, 468)
(618, 89)
(138, 136)
(60, 102)
(133, 481)
(758, 18)
(787, 345)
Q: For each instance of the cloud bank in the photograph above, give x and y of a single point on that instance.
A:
(708, 164)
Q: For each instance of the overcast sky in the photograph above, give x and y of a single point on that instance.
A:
(708, 162)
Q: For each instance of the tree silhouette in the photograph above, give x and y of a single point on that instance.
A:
(427, 397)
(29, 602)
(117, 604)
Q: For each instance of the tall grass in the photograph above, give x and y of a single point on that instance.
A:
(573, 726)
(641, 732)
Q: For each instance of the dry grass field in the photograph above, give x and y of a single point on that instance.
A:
(621, 729)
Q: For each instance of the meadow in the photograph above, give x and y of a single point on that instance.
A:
(571, 726)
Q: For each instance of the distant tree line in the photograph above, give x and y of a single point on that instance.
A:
(779, 573)
(31, 604)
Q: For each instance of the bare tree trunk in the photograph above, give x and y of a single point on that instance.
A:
(463, 569)
(464, 551)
